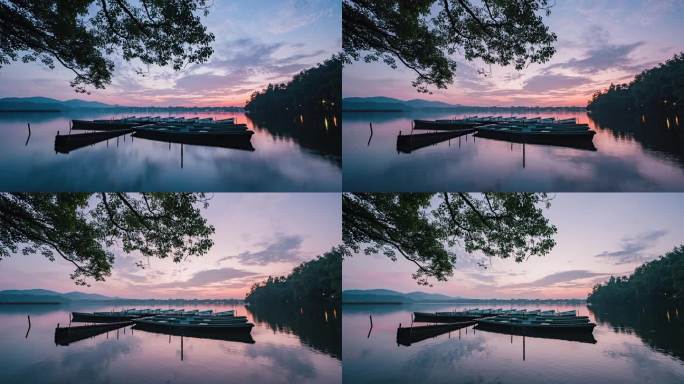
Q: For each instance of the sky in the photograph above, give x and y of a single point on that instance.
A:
(257, 42)
(599, 42)
(257, 235)
(599, 235)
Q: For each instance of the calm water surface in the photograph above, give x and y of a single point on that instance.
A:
(290, 348)
(628, 348)
(629, 156)
(283, 159)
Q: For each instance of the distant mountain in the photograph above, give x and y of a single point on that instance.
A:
(46, 103)
(87, 296)
(44, 295)
(389, 296)
(386, 296)
(388, 103)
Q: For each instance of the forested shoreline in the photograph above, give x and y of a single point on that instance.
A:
(314, 91)
(657, 281)
(315, 282)
(659, 89)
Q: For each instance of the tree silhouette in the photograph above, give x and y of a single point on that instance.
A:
(660, 89)
(82, 35)
(317, 90)
(82, 227)
(424, 227)
(317, 281)
(423, 35)
(657, 281)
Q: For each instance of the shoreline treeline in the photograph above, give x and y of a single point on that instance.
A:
(318, 281)
(657, 281)
(316, 90)
(659, 89)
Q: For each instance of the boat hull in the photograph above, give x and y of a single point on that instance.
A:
(444, 126)
(410, 335)
(67, 335)
(579, 140)
(537, 328)
(410, 143)
(423, 317)
(86, 125)
(82, 317)
(68, 143)
(187, 330)
(242, 337)
(240, 140)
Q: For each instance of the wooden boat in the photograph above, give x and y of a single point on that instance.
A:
(447, 317)
(410, 143)
(68, 335)
(580, 138)
(102, 317)
(444, 125)
(582, 337)
(68, 143)
(103, 125)
(236, 139)
(198, 326)
(539, 326)
(410, 335)
(240, 337)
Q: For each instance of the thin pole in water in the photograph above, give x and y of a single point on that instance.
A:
(29, 327)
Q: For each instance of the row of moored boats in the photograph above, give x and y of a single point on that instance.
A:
(173, 320)
(171, 127)
(521, 129)
(514, 320)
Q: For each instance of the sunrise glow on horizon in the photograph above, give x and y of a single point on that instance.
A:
(599, 43)
(599, 235)
(277, 40)
(288, 230)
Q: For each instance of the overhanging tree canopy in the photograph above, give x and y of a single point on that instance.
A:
(424, 228)
(82, 227)
(423, 34)
(82, 35)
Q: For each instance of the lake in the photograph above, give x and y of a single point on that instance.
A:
(284, 158)
(628, 156)
(626, 348)
(291, 347)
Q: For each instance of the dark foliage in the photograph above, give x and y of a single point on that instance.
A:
(656, 89)
(315, 91)
(657, 281)
(317, 281)
(423, 34)
(424, 228)
(81, 227)
(82, 35)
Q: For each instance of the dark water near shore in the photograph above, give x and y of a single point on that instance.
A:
(288, 348)
(283, 159)
(630, 347)
(630, 156)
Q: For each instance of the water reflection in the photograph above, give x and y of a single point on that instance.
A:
(660, 327)
(621, 157)
(471, 355)
(278, 158)
(317, 327)
(273, 355)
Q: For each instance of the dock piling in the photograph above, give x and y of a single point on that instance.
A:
(29, 326)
